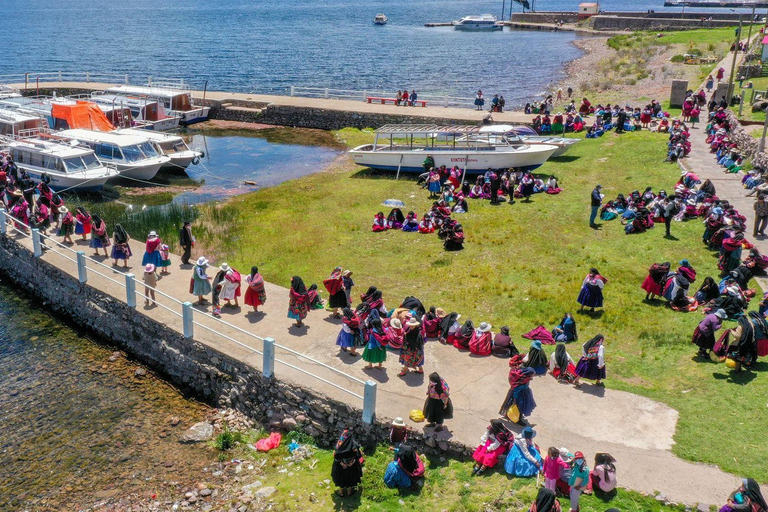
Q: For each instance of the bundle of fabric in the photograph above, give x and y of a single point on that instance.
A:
(540, 333)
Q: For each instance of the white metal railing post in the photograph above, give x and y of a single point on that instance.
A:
(3, 222)
(126, 79)
(60, 79)
(365, 95)
(87, 76)
(130, 290)
(268, 367)
(326, 93)
(82, 274)
(149, 81)
(36, 246)
(292, 90)
(369, 402)
(446, 102)
(187, 319)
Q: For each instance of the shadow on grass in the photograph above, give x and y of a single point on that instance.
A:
(743, 377)
(565, 158)
(375, 174)
(591, 314)
(347, 502)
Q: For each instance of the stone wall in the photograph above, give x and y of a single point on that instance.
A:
(214, 377)
(610, 22)
(746, 143)
(545, 17)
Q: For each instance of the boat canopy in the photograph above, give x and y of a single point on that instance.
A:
(83, 114)
(430, 130)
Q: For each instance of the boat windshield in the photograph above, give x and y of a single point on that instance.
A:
(74, 164)
(149, 150)
(90, 161)
(133, 153)
(172, 146)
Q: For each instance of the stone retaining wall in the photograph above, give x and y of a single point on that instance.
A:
(631, 20)
(746, 143)
(214, 377)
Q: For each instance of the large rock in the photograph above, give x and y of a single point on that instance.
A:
(197, 433)
(759, 106)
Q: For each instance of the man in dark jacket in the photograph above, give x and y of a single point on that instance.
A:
(185, 242)
(596, 201)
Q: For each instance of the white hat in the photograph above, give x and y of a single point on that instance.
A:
(63, 209)
(413, 323)
(224, 267)
(152, 233)
(201, 261)
(720, 313)
(398, 422)
(484, 327)
(396, 323)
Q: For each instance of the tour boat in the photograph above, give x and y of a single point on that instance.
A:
(403, 148)
(68, 165)
(69, 113)
(380, 19)
(14, 121)
(8, 92)
(149, 113)
(508, 134)
(482, 22)
(172, 146)
(135, 157)
(176, 101)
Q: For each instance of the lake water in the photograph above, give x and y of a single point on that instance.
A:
(78, 428)
(254, 45)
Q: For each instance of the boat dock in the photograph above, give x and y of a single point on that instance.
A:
(439, 24)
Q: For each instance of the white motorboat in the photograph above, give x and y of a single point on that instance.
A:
(176, 101)
(508, 134)
(133, 156)
(482, 22)
(69, 165)
(14, 121)
(403, 148)
(8, 92)
(172, 146)
(67, 113)
(149, 113)
(380, 19)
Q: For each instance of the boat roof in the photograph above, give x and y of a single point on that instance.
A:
(112, 137)
(16, 116)
(427, 129)
(117, 99)
(497, 128)
(51, 147)
(481, 17)
(149, 134)
(147, 91)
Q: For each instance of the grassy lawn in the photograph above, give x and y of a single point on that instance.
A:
(705, 39)
(448, 485)
(522, 266)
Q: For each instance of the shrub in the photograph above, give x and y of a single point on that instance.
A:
(677, 59)
(227, 439)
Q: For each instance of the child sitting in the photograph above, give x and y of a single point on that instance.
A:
(379, 223)
(411, 223)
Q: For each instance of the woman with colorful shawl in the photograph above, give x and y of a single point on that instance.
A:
(524, 458)
(347, 469)
(494, 443)
(255, 294)
(730, 253)
(708, 291)
(314, 301)
(562, 367)
(680, 284)
(546, 501)
(152, 250)
(375, 350)
(449, 326)
(591, 294)
(592, 363)
(744, 349)
(503, 346)
(201, 282)
(437, 406)
(337, 296)
(464, 335)
(519, 393)
(99, 238)
(406, 467)
(536, 359)
(412, 352)
(704, 334)
(83, 222)
(481, 341)
(654, 281)
(430, 323)
(395, 219)
(379, 223)
(566, 330)
(67, 225)
(747, 498)
(121, 250)
(395, 335)
(350, 328)
(298, 301)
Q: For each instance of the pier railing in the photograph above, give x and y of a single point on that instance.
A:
(32, 79)
(356, 95)
(189, 318)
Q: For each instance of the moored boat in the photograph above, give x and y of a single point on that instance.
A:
(508, 134)
(149, 113)
(176, 101)
(482, 22)
(403, 148)
(172, 146)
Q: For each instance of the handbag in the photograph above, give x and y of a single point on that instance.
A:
(191, 285)
(513, 413)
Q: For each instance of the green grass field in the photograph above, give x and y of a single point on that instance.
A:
(522, 266)
(448, 486)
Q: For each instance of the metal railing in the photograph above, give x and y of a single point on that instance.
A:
(31, 79)
(186, 312)
(347, 94)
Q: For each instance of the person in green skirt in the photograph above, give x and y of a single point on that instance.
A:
(375, 351)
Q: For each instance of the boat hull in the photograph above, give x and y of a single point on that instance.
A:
(475, 161)
(180, 161)
(478, 28)
(164, 125)
(79, 183)
(144, 171)
(197, 115)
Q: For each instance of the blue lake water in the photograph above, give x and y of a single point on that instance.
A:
(254, 45)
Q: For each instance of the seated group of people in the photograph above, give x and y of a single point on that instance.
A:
(571, 123)
(640, 212)
(679, 144)
(726, 151)
(438, 218)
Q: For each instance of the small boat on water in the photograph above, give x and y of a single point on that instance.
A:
(380, 19)
(176, 101)
(482, 22)
(133, 156)
(403, 148)
(172, 146)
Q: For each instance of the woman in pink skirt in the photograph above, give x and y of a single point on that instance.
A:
(493, 444)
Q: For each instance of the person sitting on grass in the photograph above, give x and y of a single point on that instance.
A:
(411, 223)
(405, 470)
(379, 223)
(562, 367)
(545, 502)
(395, 219)
(747, 498)
(524, 458)
(494, 443)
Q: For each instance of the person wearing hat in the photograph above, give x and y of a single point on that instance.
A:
(398, 433)
(704, 334)
(150, 283)
(536, 359)
(230, 286)
(121, 249)
(524, 459)
(186, 242)
(395, 335)
(201, 282)
(596, 200)
(66, 225)
(481, 341)
(579, 479)
(412, 352)
(152, 250)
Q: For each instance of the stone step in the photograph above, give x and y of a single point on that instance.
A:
(245, 109)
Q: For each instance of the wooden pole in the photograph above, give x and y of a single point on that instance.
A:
(729, 94)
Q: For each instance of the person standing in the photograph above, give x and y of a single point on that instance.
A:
(519, 393)
(591, 294)
(99, 238)
(502, 103)
(347, 469)
(596, 200)
(592, 363)
(348, 284)
(438, 406)
(412, 352)
(298, 301)
(704, 334)
(150, 283)
(255, 295)
(121, 250)
(570, 92)
(479, 101)
(152, 250)
(66, 223)
(761, 216)
(579, 479)
(186, 241)
(201, 282)
(670, 208)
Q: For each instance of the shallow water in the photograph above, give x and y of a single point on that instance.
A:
(78, 428)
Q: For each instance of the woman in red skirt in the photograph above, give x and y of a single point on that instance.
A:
(255, 295)
(654, 281)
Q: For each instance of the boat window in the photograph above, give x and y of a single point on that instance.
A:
(149, 150)
(21, 157)
(36, 159)
(74, 164)
(169, 147)
(49, 162)
(133, 153)
(108, 151)
(91, 162)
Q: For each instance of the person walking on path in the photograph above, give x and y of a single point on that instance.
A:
(255, 295)
(298, 301)
(201, 282)
(121, 250)
(150, 283)
(152, 250)
(596, 200)
(438, 406)
(761, 216)
(99, 238)
(186, 241)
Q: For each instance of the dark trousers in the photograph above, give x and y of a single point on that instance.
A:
(667, 222)
(187, 254)
(760, 224)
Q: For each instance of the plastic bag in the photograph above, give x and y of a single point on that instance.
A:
(513, 413)
(268, 443)
(416, 415)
